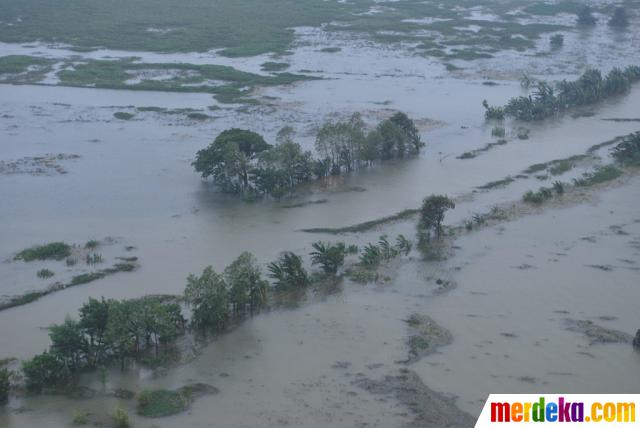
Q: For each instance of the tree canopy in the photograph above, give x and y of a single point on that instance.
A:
(432, 213)
(240, 161)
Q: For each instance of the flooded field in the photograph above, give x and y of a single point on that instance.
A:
(529, 303)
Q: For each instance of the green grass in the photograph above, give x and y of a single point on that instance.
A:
(599, 175)
(274, 66)
(198, 116)
(51, 251)
(251, 27)
(560, 167)
(473, 153)
(161, 402)
(85, 278)
(123, 115)
(16, 64)
(152, 109)
(76, 280)
(538, 197)
(497, 183)
(183, 78)
(557, 166)
(367, 225)
(241, 28)
(80, 418)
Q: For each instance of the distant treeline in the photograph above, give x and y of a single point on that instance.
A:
(242, 162)
(547, 100)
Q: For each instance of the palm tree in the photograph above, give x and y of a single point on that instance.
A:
(329, 256)
(370, 256)
(403, 244)
(288, 272)
(386, 249)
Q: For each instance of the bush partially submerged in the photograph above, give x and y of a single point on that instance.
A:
(123, 115)
(45, 273)
(51, 251)
(543, 194)
(599, 175)
(628, 151)
(161, 402)
(120, 418)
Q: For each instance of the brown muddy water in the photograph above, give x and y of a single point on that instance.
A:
(519, 284)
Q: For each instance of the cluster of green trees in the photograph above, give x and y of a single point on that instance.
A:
(114, 330)
(547, 101)
(215, 298)
(242, 162)
(106, 330)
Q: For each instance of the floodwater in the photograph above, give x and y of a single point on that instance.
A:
(133, 182)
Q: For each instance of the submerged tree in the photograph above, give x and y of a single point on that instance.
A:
(329, 256)
(4, 385)
(45, 370)
(628, 151)
(619, 18)
(288, 272)
(547, 100)
(585, 17)
(68, 343)
(246, 286)
(240, 161)
(228, 159)
(94, 316)
(556, 41)
(208, 296)
(432, 213)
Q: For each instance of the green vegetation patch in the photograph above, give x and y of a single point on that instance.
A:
(497, 183)
(274, 66)
(241, 28)
(16, 64)
(556, 166)
(252, 27)
(551, 9)
(161, 402)
(367, 225)
(51, 251)
(547, 99)
(123, 115)
(227, 83)
(628, 151)
(198, 116)
(45, 273)
(560, 168)
(599, 175)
